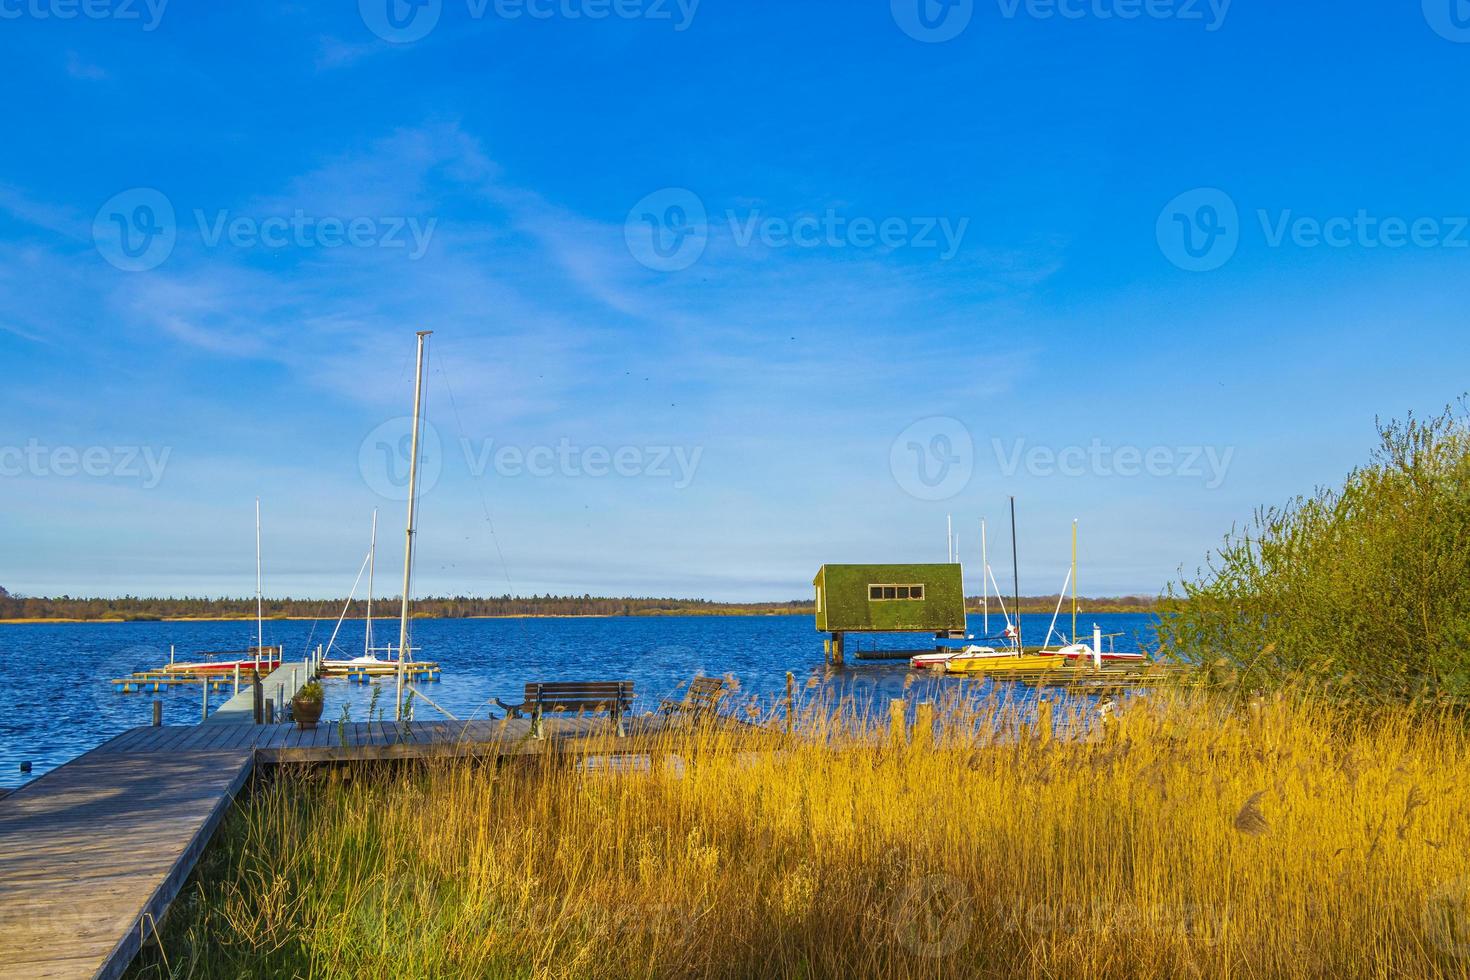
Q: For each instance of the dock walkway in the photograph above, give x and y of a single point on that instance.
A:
(281, 683)
(92, 853)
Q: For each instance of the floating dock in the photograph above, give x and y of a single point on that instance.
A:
(93, 853)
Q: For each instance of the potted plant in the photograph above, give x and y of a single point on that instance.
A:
(306, 706)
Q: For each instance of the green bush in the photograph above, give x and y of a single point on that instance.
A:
(1365, 589)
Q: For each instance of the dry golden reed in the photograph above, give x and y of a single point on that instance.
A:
(1181, 838)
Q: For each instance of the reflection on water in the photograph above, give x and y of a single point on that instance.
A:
(58, 704)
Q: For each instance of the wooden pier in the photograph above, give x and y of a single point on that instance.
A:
(93, 853)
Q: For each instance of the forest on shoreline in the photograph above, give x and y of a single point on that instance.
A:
(140, 609)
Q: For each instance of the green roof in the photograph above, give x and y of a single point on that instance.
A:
(844, 604)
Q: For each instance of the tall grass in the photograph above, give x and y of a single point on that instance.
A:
(1292, 838)
(1363, 589)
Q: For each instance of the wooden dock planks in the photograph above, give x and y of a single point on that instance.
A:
(92, 853)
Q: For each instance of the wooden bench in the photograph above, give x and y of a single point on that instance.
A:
(703, 696)
(573, 697)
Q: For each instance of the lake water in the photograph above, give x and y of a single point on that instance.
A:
(57, 703)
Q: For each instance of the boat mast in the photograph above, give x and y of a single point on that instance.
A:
(367, 649)
(984, 582)
(1016, 578)
(259, 602)
(1074, 581)
(949, 537)
(413, 476)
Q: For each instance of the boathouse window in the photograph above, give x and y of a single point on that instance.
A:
(880, 593)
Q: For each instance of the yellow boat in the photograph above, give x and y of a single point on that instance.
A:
(992, 664)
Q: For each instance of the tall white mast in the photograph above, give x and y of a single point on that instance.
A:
(413, 482)
(367, 649)
(984, 578)
(259, 601)
(949, 537)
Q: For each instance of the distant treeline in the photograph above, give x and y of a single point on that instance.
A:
(135, 608)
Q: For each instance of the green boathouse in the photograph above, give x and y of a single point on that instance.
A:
(889, 599)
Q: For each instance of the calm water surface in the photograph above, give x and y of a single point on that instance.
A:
(58, 704)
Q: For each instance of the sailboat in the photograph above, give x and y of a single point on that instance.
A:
(369, 662)
(976, 659)
(259, 657)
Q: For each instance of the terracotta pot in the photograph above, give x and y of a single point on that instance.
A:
(306, 713)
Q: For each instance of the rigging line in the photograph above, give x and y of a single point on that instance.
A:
(479, 487)
(347, 605)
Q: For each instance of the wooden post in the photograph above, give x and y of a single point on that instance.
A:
(790, 703)
(205, 688)
(1043, 722)
(157, 714)
(270, 712)
(837, 649)
(170, 654)
(256, 695)
(924, 725)
(237, 678)
(897, 723)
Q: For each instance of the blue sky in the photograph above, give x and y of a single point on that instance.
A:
(802, 278)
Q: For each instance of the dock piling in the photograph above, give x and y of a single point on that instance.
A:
(157, 714)
(270, 711)
(205, 703)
